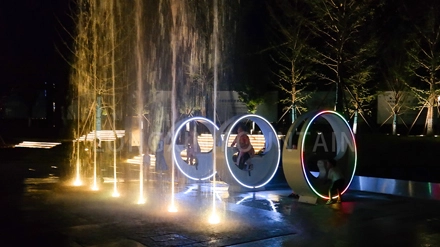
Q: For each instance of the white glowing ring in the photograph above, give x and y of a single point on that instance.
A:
(199, 119)
(304, 134)
(225, 146)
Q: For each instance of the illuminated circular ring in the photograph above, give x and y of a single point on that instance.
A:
(205, 169)
(264, 167)
(296, 169)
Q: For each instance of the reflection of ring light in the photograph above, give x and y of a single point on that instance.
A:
(271, 204)
(271, 139)
(293, 159)
(212, 127)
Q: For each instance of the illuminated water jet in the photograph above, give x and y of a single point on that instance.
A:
(172, 208)
(115, 185)
(141, 200)
(113, 71)
(214, 218)
(77, 181)
(140, 63)
(95, 188)
(140, 99)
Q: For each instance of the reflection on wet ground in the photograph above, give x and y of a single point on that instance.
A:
(52, 212)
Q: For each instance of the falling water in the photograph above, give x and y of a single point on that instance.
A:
(139, 59)
(96, 95)
(113, 73)
(214, 217)
(95, 146)
(78, 181)
(140, 98)
(174, 37)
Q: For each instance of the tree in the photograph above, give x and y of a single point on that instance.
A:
(395, 82)
(393, 60)
(252, 80)
(423, 51)
(344, 49)
(290, 52)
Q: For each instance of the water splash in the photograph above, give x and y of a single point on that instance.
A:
(137, 55)
(140, 98)
(214, 218)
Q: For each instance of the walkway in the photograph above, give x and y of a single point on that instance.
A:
(50, 213)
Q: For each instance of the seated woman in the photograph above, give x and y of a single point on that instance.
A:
(245, 149)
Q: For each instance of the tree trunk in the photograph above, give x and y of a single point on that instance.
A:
(339, 106)
(355, 121)
(394, 123)
(293, 112)
(430, 112)
(430, 117)
(293, 103)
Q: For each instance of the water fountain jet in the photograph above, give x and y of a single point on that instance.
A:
(214, 217)
(77, 181)
(172, 208)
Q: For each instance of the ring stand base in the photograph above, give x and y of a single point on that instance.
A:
(308, 199)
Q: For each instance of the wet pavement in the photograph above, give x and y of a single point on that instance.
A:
(53, 213)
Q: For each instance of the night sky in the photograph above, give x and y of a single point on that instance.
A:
(30, 32)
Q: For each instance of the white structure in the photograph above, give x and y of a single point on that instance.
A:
(386, 102)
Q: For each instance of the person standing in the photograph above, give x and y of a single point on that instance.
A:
(193, 148)
(337, 180)
(161, 164)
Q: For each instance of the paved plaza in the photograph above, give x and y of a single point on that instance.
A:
(48, 212)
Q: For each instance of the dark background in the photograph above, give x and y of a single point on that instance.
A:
(32, 34)
(34, 43)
